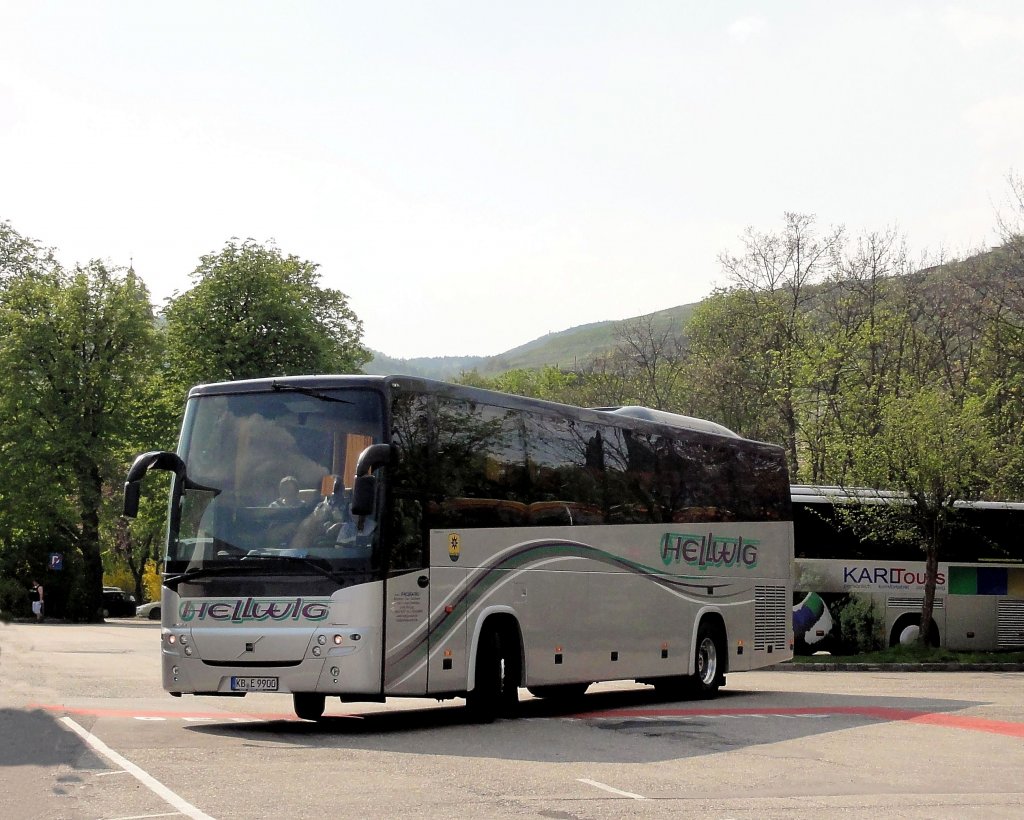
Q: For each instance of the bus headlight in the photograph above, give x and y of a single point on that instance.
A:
(317, 651)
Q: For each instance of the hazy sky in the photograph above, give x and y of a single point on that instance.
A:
(477, 174)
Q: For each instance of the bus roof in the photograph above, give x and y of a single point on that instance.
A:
(595, 415)
(671, 419)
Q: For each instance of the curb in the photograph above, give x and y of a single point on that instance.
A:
(951, 666)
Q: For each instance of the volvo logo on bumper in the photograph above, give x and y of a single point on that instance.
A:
(250, 646)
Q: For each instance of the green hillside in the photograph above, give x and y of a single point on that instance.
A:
(567, 349)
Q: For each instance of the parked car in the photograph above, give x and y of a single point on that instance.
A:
(117, 603)
(150, 611)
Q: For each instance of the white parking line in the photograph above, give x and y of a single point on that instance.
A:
(146, 779)
(147, 816)
(611, 789)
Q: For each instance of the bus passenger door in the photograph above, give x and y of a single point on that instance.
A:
(407, 601)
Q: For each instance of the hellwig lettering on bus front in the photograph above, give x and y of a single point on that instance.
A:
(255, 609)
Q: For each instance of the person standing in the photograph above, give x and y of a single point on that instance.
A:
(37, 600)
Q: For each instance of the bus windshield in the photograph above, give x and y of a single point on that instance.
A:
(269, 485)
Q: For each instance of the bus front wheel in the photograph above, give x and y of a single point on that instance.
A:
(496, 689)
(308, 705)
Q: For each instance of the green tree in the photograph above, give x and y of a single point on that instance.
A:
(75, 352)
(777, 271)
(253, 312)
(583, 389)
(649, 353)
(998, 278)
(27, 519)
(858, 324)
(937, 450)
(21, 256)
(731, 374)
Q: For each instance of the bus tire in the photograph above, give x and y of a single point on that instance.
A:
(710, 661)
(308, 705)
(498, 664)
(562, 693)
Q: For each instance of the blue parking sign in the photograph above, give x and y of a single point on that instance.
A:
(56, 561)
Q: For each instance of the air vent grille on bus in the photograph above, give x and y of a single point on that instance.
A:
(911, 603)
(771, 617)
(1009, 624)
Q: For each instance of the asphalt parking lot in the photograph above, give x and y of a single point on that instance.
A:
(98, 738)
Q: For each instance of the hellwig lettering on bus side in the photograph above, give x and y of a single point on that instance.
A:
(708, 550)
(255, 609)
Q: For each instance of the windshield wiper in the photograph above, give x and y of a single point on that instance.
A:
(301, 559)
(200, 572)
(249, 569)
(277, 387)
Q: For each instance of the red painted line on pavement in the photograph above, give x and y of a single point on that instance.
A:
(881, 713)
(995, 727)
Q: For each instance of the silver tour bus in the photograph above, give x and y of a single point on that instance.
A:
(365, 537)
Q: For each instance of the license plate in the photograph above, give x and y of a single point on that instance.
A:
(253, 684)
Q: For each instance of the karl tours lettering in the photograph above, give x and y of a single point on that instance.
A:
(255, 609)
(888, 576)
(708, 550)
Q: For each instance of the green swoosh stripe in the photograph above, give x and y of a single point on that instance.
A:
(483, 579)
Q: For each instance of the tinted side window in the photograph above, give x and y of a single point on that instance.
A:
(411, 473)
(763, 481)
(566, 469)
(631, 466)
(481, 473)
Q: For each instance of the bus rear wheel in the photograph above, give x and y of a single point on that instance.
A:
(709, 673)
(496, 690)
(308, 705)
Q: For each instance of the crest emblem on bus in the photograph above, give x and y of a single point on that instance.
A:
(453, 546)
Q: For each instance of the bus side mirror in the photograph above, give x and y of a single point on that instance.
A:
(132, 491)
(364, 492)
(364, 489)
(153, 460)
(374, 456)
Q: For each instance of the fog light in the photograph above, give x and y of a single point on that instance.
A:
(188, 651)
(321, 639)
(184, 640)
(335, 671)
(317, 651)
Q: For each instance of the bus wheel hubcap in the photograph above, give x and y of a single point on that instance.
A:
(707, 662)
